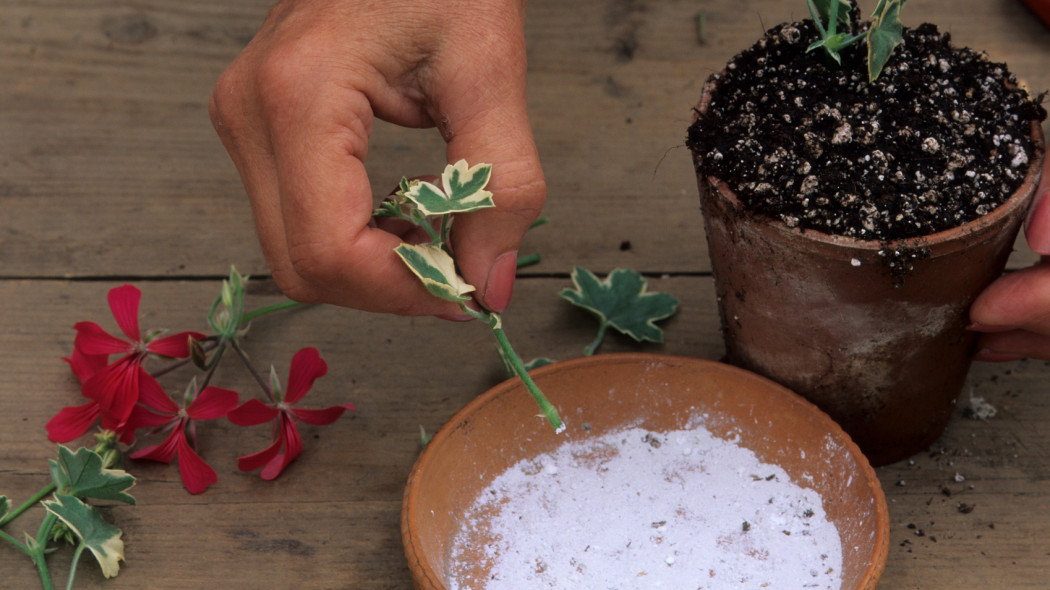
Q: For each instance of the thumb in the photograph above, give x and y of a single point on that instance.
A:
(1037, 226)
(481, 112)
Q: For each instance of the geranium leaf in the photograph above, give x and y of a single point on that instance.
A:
(884, 36)
(620, 301)
(102, 538)
(81, 474)
(436, 269)
(462, 189)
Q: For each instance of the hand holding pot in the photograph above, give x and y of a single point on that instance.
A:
(295, 111)
(1013, 313)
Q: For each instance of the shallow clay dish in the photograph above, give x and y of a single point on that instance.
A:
(660, 393)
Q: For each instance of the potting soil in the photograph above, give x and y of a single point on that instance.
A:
(940, 138)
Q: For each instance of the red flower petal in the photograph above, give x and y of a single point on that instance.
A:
(86, 365)
(260, 458)
(321, 417)
(212, 402)
(116, 389)
(293, 447)
(175, 346)
(196, 474)
(307, 365)
(72, 421)
(142, 417)
(153, 396)
(252, 412)
(124, 303)
(165, 451)
(92, 339)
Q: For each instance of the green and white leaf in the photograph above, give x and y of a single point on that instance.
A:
(81, 474)
(102, 538)
(462, 190)
(436, 269)
(884, 36)
(621, 301)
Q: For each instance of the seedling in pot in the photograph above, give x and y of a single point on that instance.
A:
(432, 207)
(884, 33)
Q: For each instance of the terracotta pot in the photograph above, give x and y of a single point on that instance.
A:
(886, 356)
(1041, 8)
(658, 392)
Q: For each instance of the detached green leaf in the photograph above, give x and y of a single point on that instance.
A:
(102, 538)
(436, 269)
(462, 189)
(82, 475)
(620, 301)
(884, 36)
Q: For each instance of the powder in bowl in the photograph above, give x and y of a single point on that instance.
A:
(640, 509)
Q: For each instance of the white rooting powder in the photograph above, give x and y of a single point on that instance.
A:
(682, 510)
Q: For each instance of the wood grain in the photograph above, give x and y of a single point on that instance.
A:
(110, 172)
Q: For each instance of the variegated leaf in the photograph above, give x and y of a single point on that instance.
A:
(436, 269)
(884, 36)
(462, 189)
(102, 538)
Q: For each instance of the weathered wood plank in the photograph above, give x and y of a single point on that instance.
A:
(109, 166)
(331, 521)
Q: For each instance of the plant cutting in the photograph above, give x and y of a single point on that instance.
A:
(861, 183)
(619, 301)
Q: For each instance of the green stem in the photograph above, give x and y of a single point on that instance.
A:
(495, 324)
(528, 260)
(593, 346)
(40, 548)
(73, 565)
(27, 504)
(15, 542)
(268, 309)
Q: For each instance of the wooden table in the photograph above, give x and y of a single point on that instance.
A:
(111, 173)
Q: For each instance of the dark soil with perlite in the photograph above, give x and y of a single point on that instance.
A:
(942, 137)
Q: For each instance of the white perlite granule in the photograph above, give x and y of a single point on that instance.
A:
(681, 510)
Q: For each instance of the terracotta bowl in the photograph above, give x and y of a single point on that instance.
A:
(656, 392)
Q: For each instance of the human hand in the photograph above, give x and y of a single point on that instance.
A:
(1013, 313)
(295, 111)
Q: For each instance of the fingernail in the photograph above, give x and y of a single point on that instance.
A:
(1037, 226)
(500, 282)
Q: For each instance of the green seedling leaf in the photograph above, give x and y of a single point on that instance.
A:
(436, 269)
(884, 36)
(620, 301)
(462, 190)
(824, 7)
(102, 538)
(82, 475)
(5, 506)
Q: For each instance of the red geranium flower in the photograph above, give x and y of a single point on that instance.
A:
(307, 365)
(116, 387)
(157, 410)
(73, 421)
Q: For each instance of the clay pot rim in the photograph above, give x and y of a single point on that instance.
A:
(423, 572)
(939, 243)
